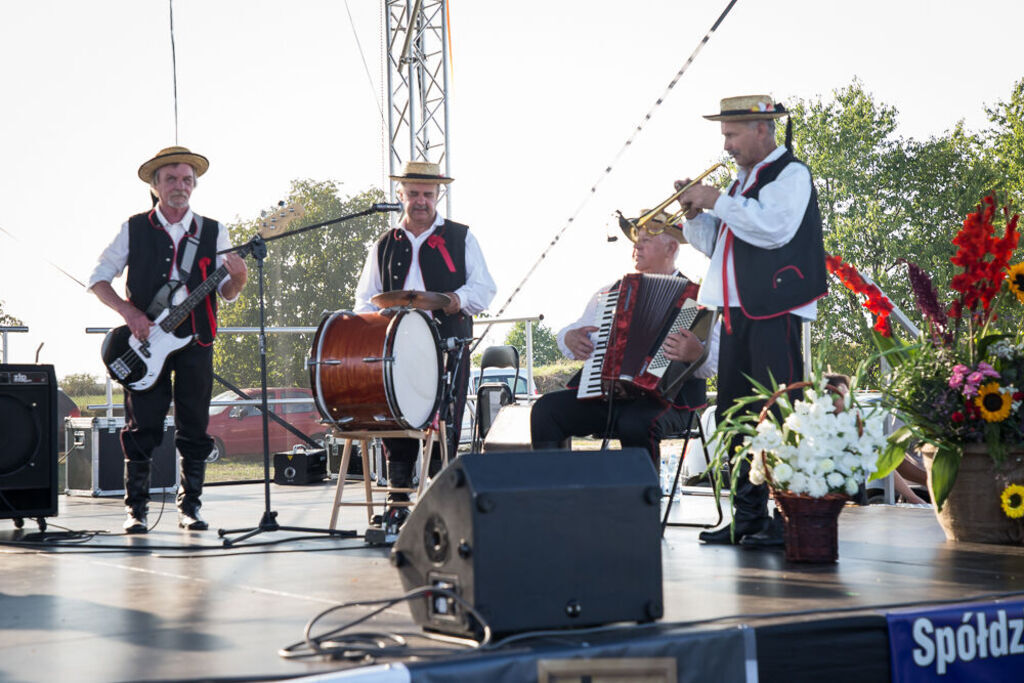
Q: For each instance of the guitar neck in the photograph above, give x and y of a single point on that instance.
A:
(181, 311)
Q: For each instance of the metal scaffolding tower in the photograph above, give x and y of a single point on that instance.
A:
(417, 81)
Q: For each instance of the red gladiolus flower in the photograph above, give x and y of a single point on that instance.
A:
(958, 416)
(983, 257)
(876, 302)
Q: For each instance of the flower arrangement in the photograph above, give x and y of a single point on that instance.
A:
(961, 381)
(820, 444)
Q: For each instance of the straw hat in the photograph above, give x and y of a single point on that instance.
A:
(748, 108)
(422, 172)
(173, 155)
(656, 226)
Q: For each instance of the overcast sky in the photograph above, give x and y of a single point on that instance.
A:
(543, 95)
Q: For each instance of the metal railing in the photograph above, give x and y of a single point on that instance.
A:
(109, 406)
(4, 330)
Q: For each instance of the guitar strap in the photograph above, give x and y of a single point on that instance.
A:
(162, 300)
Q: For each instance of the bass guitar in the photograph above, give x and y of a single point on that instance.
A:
(138, 364)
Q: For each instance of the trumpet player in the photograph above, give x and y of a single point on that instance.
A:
(767, 272)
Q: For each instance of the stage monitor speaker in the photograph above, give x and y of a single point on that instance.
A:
(536, 540)
(28, 441)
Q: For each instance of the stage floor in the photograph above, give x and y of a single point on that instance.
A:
(177, 605)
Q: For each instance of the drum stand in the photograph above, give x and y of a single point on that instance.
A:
(376, 535)
(269, 520)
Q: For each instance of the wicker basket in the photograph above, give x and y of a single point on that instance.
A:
(973, 512)
(811, 526)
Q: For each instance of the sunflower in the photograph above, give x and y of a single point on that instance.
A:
(1015, 280)
(993, 403)
(1013, 501)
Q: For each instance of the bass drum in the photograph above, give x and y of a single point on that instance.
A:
(374, 372)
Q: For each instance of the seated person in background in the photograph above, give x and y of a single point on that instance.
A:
(903, 488)
(641, 421)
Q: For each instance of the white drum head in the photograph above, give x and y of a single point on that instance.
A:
(415, 372)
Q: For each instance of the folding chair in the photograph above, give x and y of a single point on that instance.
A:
(492, 396)
(686, 435)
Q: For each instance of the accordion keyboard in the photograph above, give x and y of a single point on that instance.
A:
(590, 377)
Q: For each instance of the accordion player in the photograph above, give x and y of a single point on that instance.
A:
(634, 319)
(638, 413)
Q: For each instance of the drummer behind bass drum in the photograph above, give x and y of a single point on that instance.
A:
(426, 252)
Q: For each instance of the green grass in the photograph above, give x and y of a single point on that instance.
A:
(235, 471)
(96, 399)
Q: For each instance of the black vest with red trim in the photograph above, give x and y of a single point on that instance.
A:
(442, 260)
(772, 282)
(150, 254)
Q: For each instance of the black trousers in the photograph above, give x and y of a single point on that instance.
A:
(406, 450)
(636, 423)
(145, 412)
(760, 349)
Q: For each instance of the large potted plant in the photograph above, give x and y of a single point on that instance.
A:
(958, 387)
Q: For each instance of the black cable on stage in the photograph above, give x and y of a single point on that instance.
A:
(48, 543)
(611, 166)
(366, 646)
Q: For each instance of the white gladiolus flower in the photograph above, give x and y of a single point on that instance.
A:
(835, 480)
(799, 483)
(817, 487)
(782, 472)
(852, 486)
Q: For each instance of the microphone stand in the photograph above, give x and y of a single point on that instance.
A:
(448, 410)
(268, 522)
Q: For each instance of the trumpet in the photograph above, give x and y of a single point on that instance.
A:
(638, 224)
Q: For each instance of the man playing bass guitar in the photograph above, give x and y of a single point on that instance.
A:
(161, 248)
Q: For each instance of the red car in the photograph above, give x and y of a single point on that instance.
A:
(237, 430)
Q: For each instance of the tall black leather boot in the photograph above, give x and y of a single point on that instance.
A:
(136, 495)
(399, 476)
(193, 473)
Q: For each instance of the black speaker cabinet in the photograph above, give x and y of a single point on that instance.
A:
(537, 540)
(28, 441)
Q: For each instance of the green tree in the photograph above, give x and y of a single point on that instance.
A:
(82, 384)
(545, 346)
(7, 318)
(1006, 137)
(883, 198)
(305, 276)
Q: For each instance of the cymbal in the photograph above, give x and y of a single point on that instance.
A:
(427, 301)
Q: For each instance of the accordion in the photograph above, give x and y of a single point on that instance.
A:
(633, 321)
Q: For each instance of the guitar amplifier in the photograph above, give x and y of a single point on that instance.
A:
(95, 461)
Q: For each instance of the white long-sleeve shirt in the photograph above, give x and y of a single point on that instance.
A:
(114, 258)
(589, 318)
(475, 295)
(769, 222)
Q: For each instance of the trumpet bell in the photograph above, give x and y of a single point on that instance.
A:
(653, 214)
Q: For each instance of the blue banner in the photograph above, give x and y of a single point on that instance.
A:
(969, 642)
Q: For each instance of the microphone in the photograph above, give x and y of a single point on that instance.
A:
(451, 342)
(385, 206)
